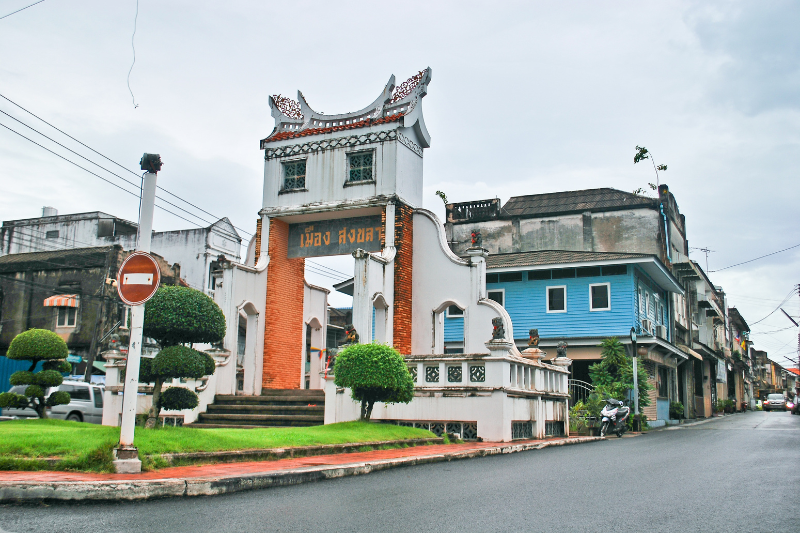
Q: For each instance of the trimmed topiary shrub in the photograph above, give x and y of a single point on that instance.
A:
(176, 316)
(177, 399)
(374, 373)
(37, 345)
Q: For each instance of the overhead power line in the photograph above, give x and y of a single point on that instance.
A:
(791, 293)
(755, 259)
(23, 9)
(111, 182)
(123, 167)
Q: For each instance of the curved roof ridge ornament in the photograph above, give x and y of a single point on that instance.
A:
(378, 103)
(297, 118)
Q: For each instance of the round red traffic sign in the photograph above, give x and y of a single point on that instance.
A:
(138, 278)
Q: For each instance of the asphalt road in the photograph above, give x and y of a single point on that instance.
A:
(732, 474)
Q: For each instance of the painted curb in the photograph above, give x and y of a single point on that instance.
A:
(135, 490)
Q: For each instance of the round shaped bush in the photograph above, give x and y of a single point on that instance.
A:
(374, 373)
(22, 377)
(146, 370)
(209, 363)
(37, 345)
(57, 365)
(12, 400)
(48, 378)
(180, 314)
(179, 362)
(34, 391)
(177, 399)
(59, 398)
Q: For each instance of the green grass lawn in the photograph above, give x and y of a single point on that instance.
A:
(87, 447)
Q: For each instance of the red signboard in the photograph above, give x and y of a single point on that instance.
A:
(138, 278)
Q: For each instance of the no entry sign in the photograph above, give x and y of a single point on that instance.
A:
(138, 278)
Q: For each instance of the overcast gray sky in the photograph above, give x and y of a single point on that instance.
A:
(526, 97)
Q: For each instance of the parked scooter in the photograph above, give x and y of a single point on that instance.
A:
(615, 417)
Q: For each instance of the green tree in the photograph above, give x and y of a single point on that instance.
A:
(614, 373)
(37, 345)
(374, 373)
(174, 317)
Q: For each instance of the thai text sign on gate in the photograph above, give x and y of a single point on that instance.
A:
(337, 236)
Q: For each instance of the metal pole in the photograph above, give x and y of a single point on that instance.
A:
(131, 390)
(635, 383)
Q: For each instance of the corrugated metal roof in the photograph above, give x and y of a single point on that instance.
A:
(574, 202)
(555, 257)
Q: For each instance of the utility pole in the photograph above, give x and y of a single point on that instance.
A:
(126, 455)
(636, 422)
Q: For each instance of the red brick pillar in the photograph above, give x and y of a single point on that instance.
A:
(403, 240)
(283, 315)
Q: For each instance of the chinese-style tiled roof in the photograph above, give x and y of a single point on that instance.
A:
(296, 118)
(574, 202)
(555, 257)
(279, 136)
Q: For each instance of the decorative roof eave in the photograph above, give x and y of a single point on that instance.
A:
(292, 118)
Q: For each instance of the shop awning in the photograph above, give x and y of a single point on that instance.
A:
(100, 365)
(690, 352)
(62, 300)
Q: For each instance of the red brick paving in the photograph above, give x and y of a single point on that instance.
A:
(255, 467)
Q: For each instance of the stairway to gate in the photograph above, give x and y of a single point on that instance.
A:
(274, 408)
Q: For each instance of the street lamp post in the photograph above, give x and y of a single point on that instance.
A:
(636, 423)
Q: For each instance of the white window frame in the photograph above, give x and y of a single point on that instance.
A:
(647, 304)
(448, 315)
(547, 298)
(66, 321)
(641, 300)
(608, 295)
(503, 291)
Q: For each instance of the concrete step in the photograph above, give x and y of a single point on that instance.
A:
(267, 400)
(266, 409)
(199, 425)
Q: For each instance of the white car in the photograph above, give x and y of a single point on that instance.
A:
(86, 403)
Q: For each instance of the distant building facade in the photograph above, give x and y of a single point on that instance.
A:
(195, 250)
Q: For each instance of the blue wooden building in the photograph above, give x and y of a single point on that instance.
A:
(582, 298)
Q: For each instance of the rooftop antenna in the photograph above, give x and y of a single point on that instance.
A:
(705, 251)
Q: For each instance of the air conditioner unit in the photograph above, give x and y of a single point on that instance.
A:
(647, 326)
(661, 332)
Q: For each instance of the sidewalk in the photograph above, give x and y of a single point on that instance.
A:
(207, 480)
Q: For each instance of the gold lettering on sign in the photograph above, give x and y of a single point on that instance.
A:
(369, 235)
(309, 239)
(327, 238)
(317, 238)
(302, 241)
(342, 235)
(352, 235)
(360, 237)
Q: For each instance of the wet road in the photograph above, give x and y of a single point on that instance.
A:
(733, 474)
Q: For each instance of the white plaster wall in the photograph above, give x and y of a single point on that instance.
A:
(315, 307)
(327, 172)
(243, 292)
(409, 170)
(440, 278)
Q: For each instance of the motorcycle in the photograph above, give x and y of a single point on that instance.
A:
(615, 416)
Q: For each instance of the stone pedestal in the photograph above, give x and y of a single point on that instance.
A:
(499, 348)
(534, 354)
(126, 460)
(563, 362)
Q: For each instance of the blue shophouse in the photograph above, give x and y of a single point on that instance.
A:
(582, 298)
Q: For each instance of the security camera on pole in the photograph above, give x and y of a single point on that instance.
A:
(137, 282)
